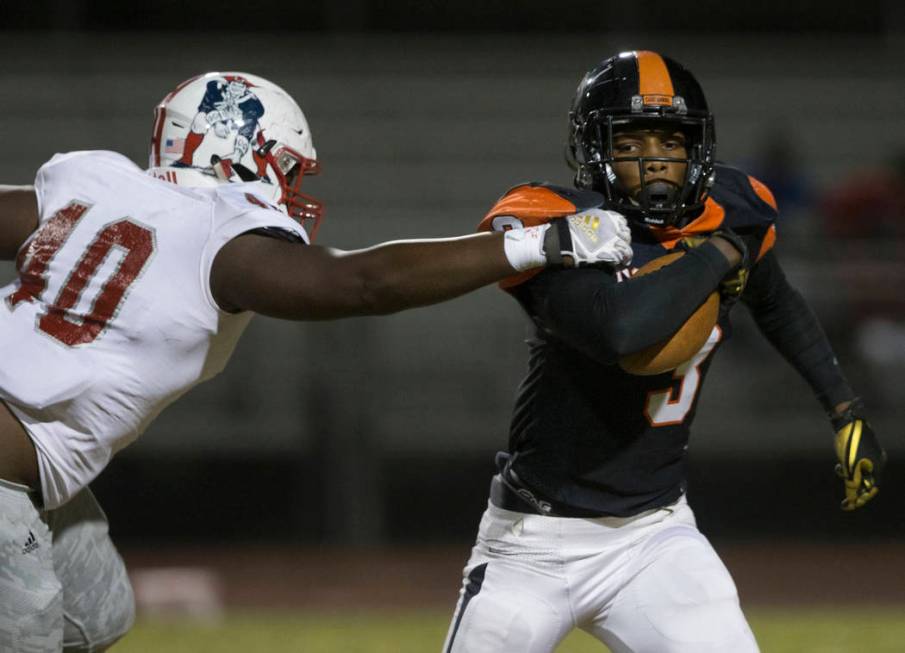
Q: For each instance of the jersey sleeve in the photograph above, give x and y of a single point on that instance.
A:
(42, 185)
(237, 212)
(765, 195)
(605, 319)
(531, 205)
(789, 324)
(749, 205)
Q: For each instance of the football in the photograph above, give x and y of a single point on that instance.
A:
(684, 343)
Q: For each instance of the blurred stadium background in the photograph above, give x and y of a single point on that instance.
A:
(345, 465)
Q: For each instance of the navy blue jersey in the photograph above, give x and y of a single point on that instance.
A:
(586, 437)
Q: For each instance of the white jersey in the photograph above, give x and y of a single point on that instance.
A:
(112, 318)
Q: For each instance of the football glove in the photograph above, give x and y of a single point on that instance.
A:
(733, 284)
(747, 240)
(591, 237)
(861, 458)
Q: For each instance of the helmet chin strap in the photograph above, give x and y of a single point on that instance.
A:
(224, 169)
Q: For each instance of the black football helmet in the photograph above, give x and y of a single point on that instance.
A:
(642, 89)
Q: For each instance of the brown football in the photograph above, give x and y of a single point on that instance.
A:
(684, 343)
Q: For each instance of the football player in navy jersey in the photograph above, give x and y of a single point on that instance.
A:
(587, 524)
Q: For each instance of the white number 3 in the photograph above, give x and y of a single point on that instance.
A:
(666, 407)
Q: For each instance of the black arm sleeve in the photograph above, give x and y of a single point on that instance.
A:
(588, 310)
(785, 318)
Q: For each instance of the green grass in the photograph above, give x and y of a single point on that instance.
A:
(778, 631)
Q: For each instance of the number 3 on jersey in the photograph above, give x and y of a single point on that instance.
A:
(670, 406)
(135, 242)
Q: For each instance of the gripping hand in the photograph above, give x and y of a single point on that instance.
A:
(590, 237)
(733, 284)
(861, 458)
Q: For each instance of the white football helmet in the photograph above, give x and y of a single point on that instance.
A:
(235, 127)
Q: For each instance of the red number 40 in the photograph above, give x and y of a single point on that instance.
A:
(135, 240)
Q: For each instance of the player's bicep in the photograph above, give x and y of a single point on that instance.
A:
(278, 278)
(766, 284)
(18, 218)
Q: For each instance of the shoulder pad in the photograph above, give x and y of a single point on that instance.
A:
(746, 190)
(762, 191)
(243, 196)
(534, 203)
(747, 202)
(91, 158)
(235, 204)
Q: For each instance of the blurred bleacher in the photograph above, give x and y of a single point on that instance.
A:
(384, 429)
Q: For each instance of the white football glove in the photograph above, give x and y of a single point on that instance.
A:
(589, 238)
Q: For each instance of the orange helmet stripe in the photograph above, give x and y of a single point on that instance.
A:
(653, 77)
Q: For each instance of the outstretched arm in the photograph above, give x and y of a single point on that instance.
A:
(787, 321)
(18, 218)
(302, 282)
(298, 282)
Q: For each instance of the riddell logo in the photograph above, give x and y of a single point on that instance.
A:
(31, 544)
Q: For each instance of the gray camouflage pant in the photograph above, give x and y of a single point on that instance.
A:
(63, 586)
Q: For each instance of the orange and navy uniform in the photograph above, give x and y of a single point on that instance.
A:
(587, 438)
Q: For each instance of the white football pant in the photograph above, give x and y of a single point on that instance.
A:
(644, 584)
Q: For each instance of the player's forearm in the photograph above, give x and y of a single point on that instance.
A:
(607, 320)
(18, 218)
(398, 275)
(300, 282)
(787, 321)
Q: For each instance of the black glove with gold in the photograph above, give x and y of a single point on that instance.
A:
(861, 458)
(732, 286)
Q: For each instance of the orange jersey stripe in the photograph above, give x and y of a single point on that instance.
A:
(763, 192)
(530, 205)
(653, 77)
(709, 220)
(768, 242)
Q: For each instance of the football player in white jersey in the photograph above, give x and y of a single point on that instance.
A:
(135, 285)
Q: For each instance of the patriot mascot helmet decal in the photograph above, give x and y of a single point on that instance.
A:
(236, 127)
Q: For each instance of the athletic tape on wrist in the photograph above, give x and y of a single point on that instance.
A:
(524, 248)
